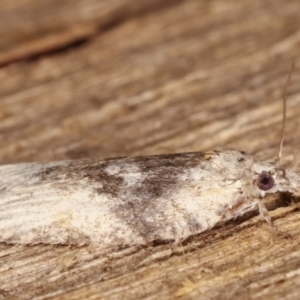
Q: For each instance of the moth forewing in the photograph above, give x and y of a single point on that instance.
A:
(130, 201)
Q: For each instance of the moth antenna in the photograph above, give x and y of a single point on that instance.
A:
(277, 161)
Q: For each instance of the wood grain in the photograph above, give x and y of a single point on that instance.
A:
(124, 78)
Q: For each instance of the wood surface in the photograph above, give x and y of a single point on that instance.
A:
(105, 78)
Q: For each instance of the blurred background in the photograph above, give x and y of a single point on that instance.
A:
(103, 78)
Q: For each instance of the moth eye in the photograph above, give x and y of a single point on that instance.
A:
(265, 181)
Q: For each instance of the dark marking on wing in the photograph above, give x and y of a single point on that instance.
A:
(159, 172)
(150, 187)
(143, 217)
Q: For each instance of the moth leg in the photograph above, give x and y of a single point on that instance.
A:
(238, 209)
(264, 214)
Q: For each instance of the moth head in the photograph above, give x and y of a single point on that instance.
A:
(271, 180)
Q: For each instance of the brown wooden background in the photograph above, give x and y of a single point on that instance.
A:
(103, 78)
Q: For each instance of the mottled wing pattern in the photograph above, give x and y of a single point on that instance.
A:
(120, 201)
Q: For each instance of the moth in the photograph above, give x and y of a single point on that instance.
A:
(132, 201)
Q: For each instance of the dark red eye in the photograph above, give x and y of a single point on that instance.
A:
(265, 181)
